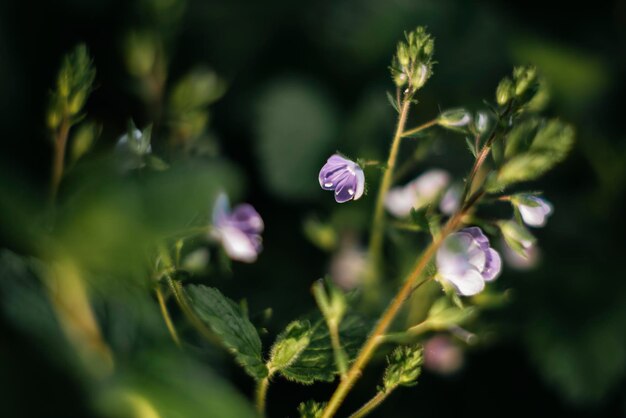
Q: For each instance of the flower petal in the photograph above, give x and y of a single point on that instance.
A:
(238, 245)
(221, 210)
(346, 189)
(360, 182)
(493, 265)
(467, 284)
(400, 200)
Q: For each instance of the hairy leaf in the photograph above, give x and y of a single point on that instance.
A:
(225, 318)
(316, 362)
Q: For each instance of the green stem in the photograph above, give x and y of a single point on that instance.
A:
(181, 300)
(166, 317)
(377, 335)
(420, 128)
(261, 395)
(58, 161)
(372, 403)
(376, 240)
(341, 360)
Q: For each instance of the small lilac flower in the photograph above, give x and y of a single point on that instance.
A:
(239, 230)
(451, 200)
(534, 210)
(343, 176)
(348, 265)
(466, 261)
(417, 193)
(442, 356)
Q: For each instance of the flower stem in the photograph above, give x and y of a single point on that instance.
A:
(377, 336)
(420, 128)
(261, 395)
(166, 317)
(376, 240)
(58, 158)
(340, 355)
(372, 403)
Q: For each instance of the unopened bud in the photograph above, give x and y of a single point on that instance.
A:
(504, 91)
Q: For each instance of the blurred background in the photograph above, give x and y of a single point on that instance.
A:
(290, 83)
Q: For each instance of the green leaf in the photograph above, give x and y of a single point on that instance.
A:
(392, 101)
(404, 367)
(290, 344)
(531, 153)
(316, 362)
(225, 319)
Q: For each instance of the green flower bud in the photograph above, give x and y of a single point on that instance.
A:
(454, 118)
(403, 55)
(54, 119)
(420, 76)
(76, 102)
(404, 367)
(517, 237)
(504, 92)
(524, 78)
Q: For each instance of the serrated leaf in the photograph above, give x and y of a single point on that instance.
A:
(392, 101)
(316, 362)
(290, 344)
(225, 319)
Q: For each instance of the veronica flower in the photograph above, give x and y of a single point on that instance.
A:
(238, 230)
(419, 192)
(442, 356)
(534, 210)
(451, 200)
(343, 176)
(466, 261)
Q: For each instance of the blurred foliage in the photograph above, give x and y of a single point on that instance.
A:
(302, 82)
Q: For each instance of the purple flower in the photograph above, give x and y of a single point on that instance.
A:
(451, 200)
(442, 356)
(239, 230)
(534, 210)
(466, 261)
(417, 193)
(343, 176)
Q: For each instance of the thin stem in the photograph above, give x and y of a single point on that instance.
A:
(58, 158)
(340, 356)
(376, 337)
(372, 404)
(376, 239)
(166, 317)
(261, 395)
(420, 128)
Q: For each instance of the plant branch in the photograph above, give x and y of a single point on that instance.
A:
(261, 395)
(376, 238)
(372, 403)
(58, 157)
(166, 317)
(420, 128)
(377, 335)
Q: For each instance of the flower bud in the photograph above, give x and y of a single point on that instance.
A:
(524, 77)
(403, 55)
(533, 209)
(405, 366)
(504, 91)
(76, 102)
(454, 118)
(420, 76)
(516, 236)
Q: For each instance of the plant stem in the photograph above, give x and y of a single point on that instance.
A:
(376, 240)
(58, 158)
(340, 356)
(376, 337)
(420, 128)
(372, 403)
(261, 395)
(166, 317)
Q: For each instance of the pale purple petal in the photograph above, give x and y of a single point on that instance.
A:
(221, 210)
(467, 284)
(238, 245)
(400, 200)
(451, 201)
(360, 183)
(535, 215)
(431, 183)
(346, 189)
(247, 219)
(493, 265)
